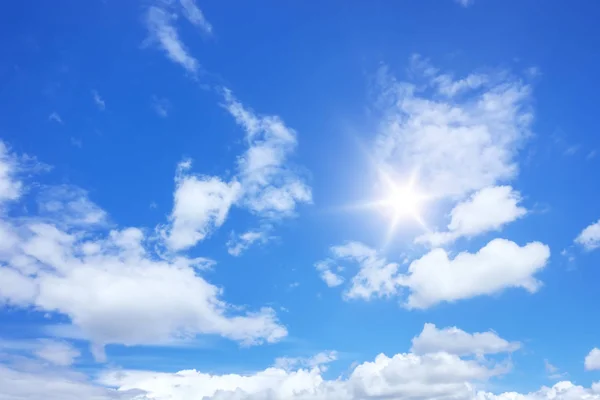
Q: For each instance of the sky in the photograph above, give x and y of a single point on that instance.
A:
(347, 200)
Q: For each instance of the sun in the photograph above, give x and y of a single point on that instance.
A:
(404, 202)
(401, 202)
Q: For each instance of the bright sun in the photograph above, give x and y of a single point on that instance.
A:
(404, 201)
(401, 202)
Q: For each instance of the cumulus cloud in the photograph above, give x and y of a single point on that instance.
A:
(487, 210)
(462, 135)
(112, 285)
(592, 360)
(589, 238)
(265, 184)
(456, 341)
(499, 265)
(201, 204)
(435, 277)
(271, 189)
(438, 374)
(402, 376)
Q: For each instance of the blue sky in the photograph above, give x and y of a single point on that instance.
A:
(291, 200)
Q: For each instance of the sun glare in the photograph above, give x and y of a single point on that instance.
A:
(404, 202)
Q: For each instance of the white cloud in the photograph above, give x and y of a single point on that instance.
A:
(195, 15)
(39, 382)
(112, 285)
(486, 210)
(456, 341)
(461, 135)
(436, 278)
(553, 371)
(69, 205)
(592, 360)
(115, 291)
(318, 360)
(499, 265)
(589, 238)
(162, 31)
(271, 189)
(98, 100)
(57, 353)
(564, 390)
(330, 278)
(375, 278)
(403, 376)
(10, 187)
(201, 204)
(240, 243)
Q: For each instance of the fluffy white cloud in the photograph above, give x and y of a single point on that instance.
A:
(486, 210)
(564, 390)
(403, 376)
(159, 22)
(589, 238)
(435, 277)
(271, 188)
(462, 135)
(195, 15)
(499, 265)
(115, 291)
(456, 341)
(113, 286)
(592, 360)
(200, 205)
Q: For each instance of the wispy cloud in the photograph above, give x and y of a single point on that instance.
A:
(98, 100)
(238, 244)
(162, 32)
(161, 106)
(55, 117)
(195, 15)
(465, 3)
